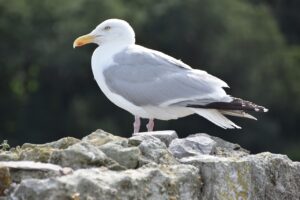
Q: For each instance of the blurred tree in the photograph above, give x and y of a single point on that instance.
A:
(48, 91)
(287, 15)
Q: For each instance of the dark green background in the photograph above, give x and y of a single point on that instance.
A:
(47, 90)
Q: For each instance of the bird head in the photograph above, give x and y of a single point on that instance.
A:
(110, 31)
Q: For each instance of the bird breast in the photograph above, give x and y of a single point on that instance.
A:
(100, 61)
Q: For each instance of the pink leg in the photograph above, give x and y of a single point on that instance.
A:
(136, 124)
(150, 125)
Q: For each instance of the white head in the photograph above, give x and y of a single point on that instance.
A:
(111, 31)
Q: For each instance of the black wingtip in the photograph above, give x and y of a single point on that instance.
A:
(235, 104)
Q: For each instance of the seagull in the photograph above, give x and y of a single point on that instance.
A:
(152, 85)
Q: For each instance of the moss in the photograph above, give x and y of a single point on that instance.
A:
(38, 154)
(4, 146)
(100, 137)
(59, 144)
(67, 141)
(9, 156)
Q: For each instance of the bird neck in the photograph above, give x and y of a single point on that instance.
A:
(103, 55)
(117, 44)
(108, 50)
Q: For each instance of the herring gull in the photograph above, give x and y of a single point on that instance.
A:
(150, 84)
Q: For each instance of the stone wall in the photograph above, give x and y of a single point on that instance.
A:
(156, 165)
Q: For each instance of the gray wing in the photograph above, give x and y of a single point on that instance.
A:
(150, 78)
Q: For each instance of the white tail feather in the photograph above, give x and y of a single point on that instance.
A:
(216, 117)
(237, 113)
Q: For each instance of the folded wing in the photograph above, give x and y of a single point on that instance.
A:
(150, 78)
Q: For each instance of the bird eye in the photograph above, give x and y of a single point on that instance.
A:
(106, 28)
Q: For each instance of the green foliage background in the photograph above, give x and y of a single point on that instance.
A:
(47, 89)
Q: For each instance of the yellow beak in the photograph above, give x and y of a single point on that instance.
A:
(82, 40)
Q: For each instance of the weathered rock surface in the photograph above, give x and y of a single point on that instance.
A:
(80, 155)
(192, 146)
(261, 176)
(152, 182)
(124, 155)
(152, 150)
(19, 170)
(155, 165)
(203, 144)
(165, 136)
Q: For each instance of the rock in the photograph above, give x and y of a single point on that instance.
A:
(125, 156)
(19, 170)
(59, 144)
(227, 149)
(193, 145)
(81, 155)
(100, 137)
(116, 148)
(153, 182)
(152, 149)
(36, 153)
(154, 165)
(165, 136)
(201, 143)
(261, 176)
